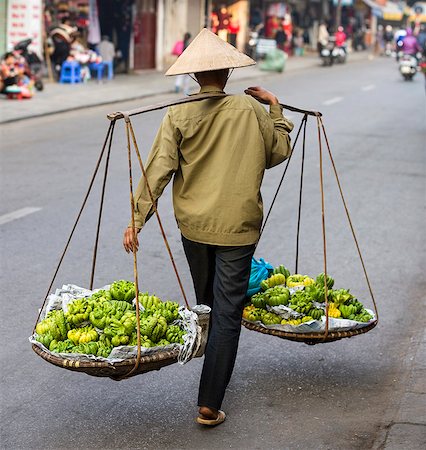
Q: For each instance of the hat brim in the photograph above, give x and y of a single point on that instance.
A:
(206, 53)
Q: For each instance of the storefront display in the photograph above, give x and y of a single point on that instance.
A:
(24, 19)
(229, 21)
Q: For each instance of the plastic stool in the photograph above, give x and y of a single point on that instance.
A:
(98, 68)
(70, 72)
(110, 66)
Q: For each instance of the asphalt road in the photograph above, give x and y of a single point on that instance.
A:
(283, 395)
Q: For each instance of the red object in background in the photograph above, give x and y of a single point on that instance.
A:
(144, 30)
(214, 21)
(340, 38)
(234, 27)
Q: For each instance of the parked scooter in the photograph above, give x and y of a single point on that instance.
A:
(34, 65)
(408, 66)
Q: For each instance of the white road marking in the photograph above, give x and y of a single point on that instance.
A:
(369, 87)
(333, 100)
(19, 213)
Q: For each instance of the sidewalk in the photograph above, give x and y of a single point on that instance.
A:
(407, 430)
(57, 98)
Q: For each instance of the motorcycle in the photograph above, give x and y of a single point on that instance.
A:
(34, 65)
(339, 54)
(332, 53)
(326, 54)
(408, 66)
(252, 44)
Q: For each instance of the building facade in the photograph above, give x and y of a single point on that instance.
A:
(144, 31)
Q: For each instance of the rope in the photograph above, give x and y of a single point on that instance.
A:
(349, 217)
(324, 241)
(134, 250)
(281, 180)
(300, 195)
(108, 136)
(154, 206)
(95, 248)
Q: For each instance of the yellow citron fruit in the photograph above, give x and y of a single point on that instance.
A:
(308, 281)
(333, 311)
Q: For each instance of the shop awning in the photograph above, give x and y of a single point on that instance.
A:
(391, 11)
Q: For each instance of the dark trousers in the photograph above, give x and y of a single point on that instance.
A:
(220, 275)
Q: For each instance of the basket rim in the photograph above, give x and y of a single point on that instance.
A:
(61, 361)
(317, 337)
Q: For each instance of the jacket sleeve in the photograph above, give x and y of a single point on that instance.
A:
(162, 163)
(275, 129)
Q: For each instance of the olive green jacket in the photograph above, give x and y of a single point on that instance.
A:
(217, 150)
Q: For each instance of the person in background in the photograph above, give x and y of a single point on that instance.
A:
(340, 37)
(62, 38)
(323, 36)
(299, 42)
(233, 29)
(219, 212)
(388, 40)
(106, 50)
(421, 39)
(410, 46)
(182, 81)
(11, 74)
(280, 36)
(287, 25)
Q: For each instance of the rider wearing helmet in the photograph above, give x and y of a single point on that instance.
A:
(410, 46)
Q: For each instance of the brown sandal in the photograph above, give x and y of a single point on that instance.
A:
(212, 422)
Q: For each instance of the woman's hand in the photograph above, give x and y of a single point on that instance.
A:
(130, 239)
(262, 95)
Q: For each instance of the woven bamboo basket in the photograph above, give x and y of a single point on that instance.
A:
(309, 338)
(122, 370)
(115, 371)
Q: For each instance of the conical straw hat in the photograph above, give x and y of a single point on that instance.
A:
(208, 52)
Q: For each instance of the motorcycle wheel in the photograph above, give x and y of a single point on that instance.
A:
(39, 85)
(408, 77)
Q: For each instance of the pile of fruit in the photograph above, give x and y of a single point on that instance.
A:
(304, 300)
(95, 325)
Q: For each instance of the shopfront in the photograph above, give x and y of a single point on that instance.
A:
(229, 20)
(130, 24)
